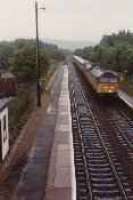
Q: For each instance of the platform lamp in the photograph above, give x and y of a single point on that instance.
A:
(38, 56)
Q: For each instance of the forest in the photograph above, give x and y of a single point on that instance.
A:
(19, 56)
(115, 51)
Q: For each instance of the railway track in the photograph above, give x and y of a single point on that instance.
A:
(125, 127)
(99, 173)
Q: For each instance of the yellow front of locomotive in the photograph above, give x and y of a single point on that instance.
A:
(108, 83)
(108, 88)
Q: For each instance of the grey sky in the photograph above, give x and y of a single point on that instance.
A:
(65, 19)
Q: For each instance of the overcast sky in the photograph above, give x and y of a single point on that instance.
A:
(65, 19)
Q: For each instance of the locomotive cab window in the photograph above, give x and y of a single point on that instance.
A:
(109, 77)
(110, 80)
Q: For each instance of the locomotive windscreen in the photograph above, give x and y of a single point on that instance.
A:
(109, 77)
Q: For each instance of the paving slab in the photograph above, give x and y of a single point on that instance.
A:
(32, 183)
(61, 182)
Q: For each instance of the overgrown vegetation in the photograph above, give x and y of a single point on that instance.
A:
(19, 56)
(114, 51)
(19, 110)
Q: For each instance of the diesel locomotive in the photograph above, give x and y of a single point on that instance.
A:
(102, 81)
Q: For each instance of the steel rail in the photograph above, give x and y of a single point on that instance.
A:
(90, 197)
(107, 153)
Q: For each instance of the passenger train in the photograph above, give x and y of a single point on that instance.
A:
(102, 81)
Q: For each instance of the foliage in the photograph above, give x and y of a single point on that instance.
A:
(20, 57)
(19, 111)
(114, 51)
(24, 63)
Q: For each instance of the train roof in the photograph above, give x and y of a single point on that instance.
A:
(89, 66)
(81, 60)
(112, 72)
(97, 71)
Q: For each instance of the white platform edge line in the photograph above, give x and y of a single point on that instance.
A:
(126, 101)
(72, 152)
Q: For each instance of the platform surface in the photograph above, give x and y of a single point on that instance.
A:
(49, 173)
(126, 98)
(61, 176)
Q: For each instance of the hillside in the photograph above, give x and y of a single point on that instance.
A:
(71, 45)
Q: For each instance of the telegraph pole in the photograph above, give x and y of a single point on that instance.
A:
(37, 57)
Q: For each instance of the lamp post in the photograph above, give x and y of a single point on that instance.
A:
(37, 57)
(38, 89)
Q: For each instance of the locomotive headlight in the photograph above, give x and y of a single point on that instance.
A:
(112, 87)
(105, 87)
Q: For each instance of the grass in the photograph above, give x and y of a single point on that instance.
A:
(19, 110)
(24, 103)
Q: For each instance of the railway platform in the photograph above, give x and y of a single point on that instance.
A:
(61, 175)
(126, 98)
(49, 173)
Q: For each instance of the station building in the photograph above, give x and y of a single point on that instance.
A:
(4, 131)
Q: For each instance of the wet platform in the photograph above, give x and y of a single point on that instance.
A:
(49, 173)
(61, 176)
(126, 98)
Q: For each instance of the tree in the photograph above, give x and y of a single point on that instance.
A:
(114, 51)
(24, 64)
(19, 56)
